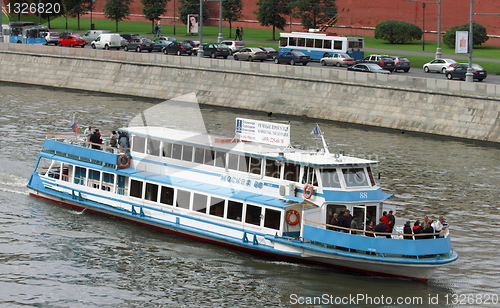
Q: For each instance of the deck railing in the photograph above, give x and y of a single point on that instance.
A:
(81, 140)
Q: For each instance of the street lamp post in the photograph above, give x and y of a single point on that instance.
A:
(423, 25)
(438, 50)
(1, 15)
(91, 9)
(200, 32)
(174, 17)
(220, 38)
(469, 75)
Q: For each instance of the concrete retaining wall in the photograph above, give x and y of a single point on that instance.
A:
(436, 106)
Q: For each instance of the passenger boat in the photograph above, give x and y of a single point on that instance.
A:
(252, 191)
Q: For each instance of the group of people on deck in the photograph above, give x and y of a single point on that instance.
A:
(94, 139)
(385, 225)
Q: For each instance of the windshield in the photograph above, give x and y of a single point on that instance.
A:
(355, 177)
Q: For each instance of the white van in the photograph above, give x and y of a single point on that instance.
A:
(107, 41)
(93, 34)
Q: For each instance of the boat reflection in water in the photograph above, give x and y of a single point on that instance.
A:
(252, 191)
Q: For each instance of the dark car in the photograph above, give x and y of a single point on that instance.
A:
(459, 70)
(135, 42)
(401, 63)
(384, 61)
(215, 50)
(292, 57)
(178, 48)
(160, 44)
(270, 52)
(72, 41)
(368, 68)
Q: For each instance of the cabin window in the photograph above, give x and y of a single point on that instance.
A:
(272, 219)
(318, 43)
(217, 207)
(200, 203)
(337, 45)
(309, 176)
(153, 147)
(292, 41)
(330, 178)
(198, 155)
(177, 151)
(151, 192)
(272, 168)
(108, 181)
(232, 161)
(80, 175)
(65, 171)
(220, 159)
(136, 189)
(138, 144)
(253, 214)
(167, 195)
(255, 165)
(327, 44)
(183, 198)
(370, 175)
(187, 153)
(209, 157)
(120, 185)
(234, 210)
(309, 42)
(94, 178)
(167, 149)
(355, 177)
(292, 172)
(301, 42)
(244, 163)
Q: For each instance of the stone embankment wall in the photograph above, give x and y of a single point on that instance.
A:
(435, 106)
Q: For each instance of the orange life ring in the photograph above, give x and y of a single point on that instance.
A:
(289, 215)
(308, 191)
(121, 163)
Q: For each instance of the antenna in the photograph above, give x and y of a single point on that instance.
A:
(318, 131)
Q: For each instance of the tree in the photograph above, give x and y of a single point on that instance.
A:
(152, 10)
(270, 13)
(397, 32)
(313, 13)
(54, 9)
(117, 10)
(479, 35)
(188, 7)
(75, 8)
(231, 11)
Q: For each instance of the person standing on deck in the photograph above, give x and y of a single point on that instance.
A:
(88, 133)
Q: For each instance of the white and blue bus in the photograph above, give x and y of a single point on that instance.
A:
(318, 45)
(26, 32)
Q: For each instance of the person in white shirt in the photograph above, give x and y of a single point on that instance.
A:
(88, 133)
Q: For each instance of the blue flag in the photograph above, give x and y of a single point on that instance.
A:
(315, 130)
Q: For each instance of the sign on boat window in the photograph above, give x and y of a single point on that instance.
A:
(355, 177)
(330, 178)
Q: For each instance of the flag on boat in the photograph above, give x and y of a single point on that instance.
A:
(315, 130)
(74, 126)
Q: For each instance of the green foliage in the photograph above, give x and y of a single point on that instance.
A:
(397, 32)
(75, 8)
(231, 11)
(314, 13)
(152, 9)
(117, 10)
(270, 13)
(479, 35)
(189, 7)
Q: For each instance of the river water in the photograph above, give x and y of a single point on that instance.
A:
(53, 256)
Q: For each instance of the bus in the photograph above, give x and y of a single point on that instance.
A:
(319, 45)
(26, 32)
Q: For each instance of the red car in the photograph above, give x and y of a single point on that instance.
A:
(72, 41)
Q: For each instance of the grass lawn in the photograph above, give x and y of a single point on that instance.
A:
(264, 37)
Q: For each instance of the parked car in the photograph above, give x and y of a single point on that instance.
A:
(234, 46)
(401, 63)
(52, 38)
(270, 52)
(192, 43)
(178, 48)
(129, 39)
(250, 54)
(160, 44)
(439, 65)
(107, 41)
(337, 59)
(91, 35)
(166, 38)
(138, 44)
(384, 61)
(72, 40)
(368, 68)
(215, 50)
(458, 70)
(292, 57)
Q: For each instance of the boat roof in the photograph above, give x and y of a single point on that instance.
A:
(285, 153)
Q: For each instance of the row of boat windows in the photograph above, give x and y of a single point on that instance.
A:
(167, 195)
(352, 177)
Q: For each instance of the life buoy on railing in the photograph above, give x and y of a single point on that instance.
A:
(123, 160)
(308, 191)
(289, 217)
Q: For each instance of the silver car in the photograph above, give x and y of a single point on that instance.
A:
(337, 59)
(250, 54)
(439, 65)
